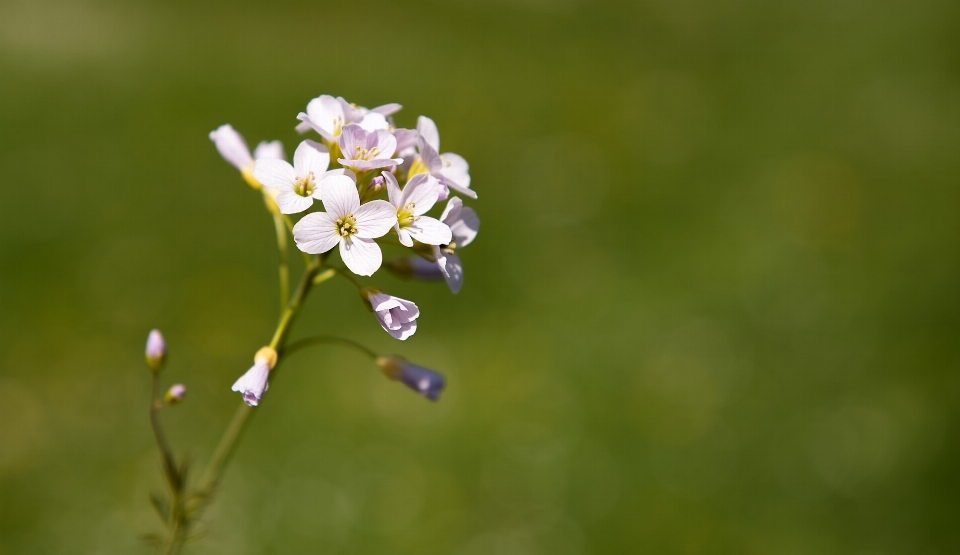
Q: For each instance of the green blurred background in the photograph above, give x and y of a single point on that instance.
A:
(714, 305)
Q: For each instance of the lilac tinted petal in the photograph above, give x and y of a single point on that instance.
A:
(374, 219)
(430, 158)
(311, 156)
(274, 174)
(403, 331)
(303, 126)
(310, 123)
(351, 113)
(430, 231)
(325, 112)
(451, 213)
(444, 193)
(253, 384)
(386, 143)
(428, 130)
(351, 137)
(367, 165)
(231, 146)
(407, 311)
(340, 196)
(361, 256)
(465, 228)
(382, 302)
(406, 138)
(292, 203)
(424, 381)
(387, 109)
(455, 167)
(458, 188)
(422, 190)
(404, 236)
(393, 189)
(316, 233)
(273, 149)
(452, 271)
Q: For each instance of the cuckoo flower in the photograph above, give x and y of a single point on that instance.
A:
(424, 381)
(296, 185)
(363, 150)
(348, 224)
(463, 224)
(234, 150)
(416, 199)
(327, 115)
(397, 316)
(254, 382)
(450, 169)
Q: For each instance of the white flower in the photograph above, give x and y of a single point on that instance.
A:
(328, 115)
(363, 150)
(299, 184)
(234, 150)
(417, 198)
(464, 224)
(397, 316)
(254, 382)
(347, 223)
(450, 169)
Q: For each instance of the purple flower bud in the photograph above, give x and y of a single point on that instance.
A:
(175, 394)
(156, 351)
(415, 267)
(376, 184)
(422, 380)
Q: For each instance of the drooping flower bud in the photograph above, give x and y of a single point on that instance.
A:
(415, 267)
(156, 351)
(253, 383)
(175, 394)
(422, 380)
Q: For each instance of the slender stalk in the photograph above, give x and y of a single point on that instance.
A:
(281, 230)
(329, 340)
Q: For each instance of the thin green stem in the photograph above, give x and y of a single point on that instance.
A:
(280, 228)
(328, 339)
(348, 276)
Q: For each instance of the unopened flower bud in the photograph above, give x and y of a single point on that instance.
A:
(175, 394)
(376, 185)
(366, 293)
(422, 380)
(253, 383)
(156, 351)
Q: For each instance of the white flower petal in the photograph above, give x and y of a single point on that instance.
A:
(272, 149)
(451, 213)
(453, 272)
(422, 190)
(274, 174)
(387, 109)
(428, 130)
(316, 233)
(325, 112)
(311, 156)
(290, 202)
(393, 189)
(386, 143)
(231, 146)
(340, 196)
(405, 331)
(465, 228)
(375, 218)
(361, 256)
(404, 236)
(373, 121)
(351, 137)
(431, 160)
(430, 231)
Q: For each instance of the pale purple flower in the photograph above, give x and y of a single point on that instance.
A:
(328, 115)
(464, 224)
(253, 383)
(299, 184)
(348, 224)
(367, 150)
(424, 381)
(416, 199)
(450, 169)
(234, 150)
(397, 316)
(156, 350)
(175, 394)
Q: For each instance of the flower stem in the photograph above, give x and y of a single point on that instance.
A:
(281, 230)
(328, 339)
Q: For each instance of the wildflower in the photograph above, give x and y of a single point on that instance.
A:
(175, 394)
(416, 199)
(254, 382)
(328, 115)
(234, 150)
(156, 351)
(297, 185)
(347, 223)
(464, 225)
(450, 169)
(415, 267)
(397, 316)
(422, 380)
(363, 150)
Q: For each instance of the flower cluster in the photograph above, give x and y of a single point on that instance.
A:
(377, 185)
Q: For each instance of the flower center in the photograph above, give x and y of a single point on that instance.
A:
(364, 154)
(346, 226)
(337, 125)
(405, 216)
(304, 186)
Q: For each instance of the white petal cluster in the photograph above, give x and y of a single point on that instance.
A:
(373, 181)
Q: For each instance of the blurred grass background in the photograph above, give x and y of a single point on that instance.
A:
(713, 307)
